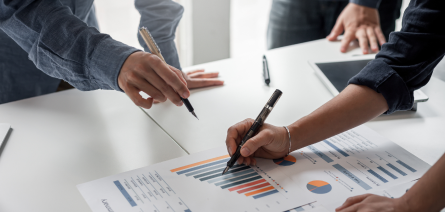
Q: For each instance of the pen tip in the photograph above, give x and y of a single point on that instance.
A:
(225, 170)
(193, 112)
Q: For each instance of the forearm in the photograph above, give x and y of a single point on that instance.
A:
(429, 192)
(352, 107)
(63, 46)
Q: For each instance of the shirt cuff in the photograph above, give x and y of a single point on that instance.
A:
(381, 78)
(367, 3)
(106, 62)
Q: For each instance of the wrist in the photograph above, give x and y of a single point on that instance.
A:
(297, 135)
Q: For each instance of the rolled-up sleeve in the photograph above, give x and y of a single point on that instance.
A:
(368, 3)
(407, 61)
(161, 17)
(63, 46)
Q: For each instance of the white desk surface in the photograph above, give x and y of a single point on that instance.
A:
(244, 94)
(71, 137)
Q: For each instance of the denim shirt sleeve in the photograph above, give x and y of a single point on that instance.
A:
(63, 46)
(407, 61)
(161, 17)
(368, 3)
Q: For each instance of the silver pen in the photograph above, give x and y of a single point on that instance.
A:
(154, 49)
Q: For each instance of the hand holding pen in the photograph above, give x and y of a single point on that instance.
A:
(241, 142)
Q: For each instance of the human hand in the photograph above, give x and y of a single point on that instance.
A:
(148, 73)
(200, 79)
(371, 202)
(358, 22)
(270, 142)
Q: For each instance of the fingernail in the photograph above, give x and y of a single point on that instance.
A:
(185, 95)
(179, 104)
(245, 151)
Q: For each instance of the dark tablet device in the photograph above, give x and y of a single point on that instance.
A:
(335, 74)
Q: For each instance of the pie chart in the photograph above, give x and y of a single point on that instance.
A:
(319, 187)
(286, 161)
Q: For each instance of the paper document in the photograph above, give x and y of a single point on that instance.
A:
(4, 129)
(352, 163)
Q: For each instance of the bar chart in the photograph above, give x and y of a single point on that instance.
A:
(240, 178)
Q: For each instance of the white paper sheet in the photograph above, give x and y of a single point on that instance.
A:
(4, 129)
(352, 163)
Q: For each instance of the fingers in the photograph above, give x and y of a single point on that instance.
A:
(336, 31)
(170, 77)
(380, 36)
(201, 83)
(203, 75)
(235, 134)
(347, 38)
(179, 73)
(264, 137)
(352, 200)
(372, 39)
(162, 86)
(134, 95)
(147, 88)
(195, 71)
(362, 40)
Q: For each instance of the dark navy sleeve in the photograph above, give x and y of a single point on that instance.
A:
(407, 61)
(368, 3)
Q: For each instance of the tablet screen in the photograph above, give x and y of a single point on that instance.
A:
(339, 73)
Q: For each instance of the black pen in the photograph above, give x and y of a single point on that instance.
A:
(259, 121)
(266, 70)
(154, 48)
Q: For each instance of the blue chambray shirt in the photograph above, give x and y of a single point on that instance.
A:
(61, 39)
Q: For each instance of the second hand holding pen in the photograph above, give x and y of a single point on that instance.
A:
(259, 121)
(154, 49)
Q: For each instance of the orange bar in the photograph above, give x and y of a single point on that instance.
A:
(247, 185)
(259, 191)
(199, 163)
(253, 188)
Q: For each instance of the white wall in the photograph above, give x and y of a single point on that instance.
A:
(211, 30)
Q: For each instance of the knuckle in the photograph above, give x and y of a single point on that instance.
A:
(137, 102)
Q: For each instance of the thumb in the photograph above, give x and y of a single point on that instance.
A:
(263, 138)
(336, 31)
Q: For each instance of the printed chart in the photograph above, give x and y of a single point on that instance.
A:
(355, 162)
(286, 161)
(195, 183)
(319, 187)
(240, 178)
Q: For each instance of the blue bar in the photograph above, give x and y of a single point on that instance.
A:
(221, 170)
(236, 179)
(406, 166)
(188, 210)
(203, 166)
(320, 154)
(396, 169)
(352, 176)
(378, 176)
(206, 169)
(387, 172)
(265, 194)
(125, 193)
(241, 182)
(336, 148)
(227, 176)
